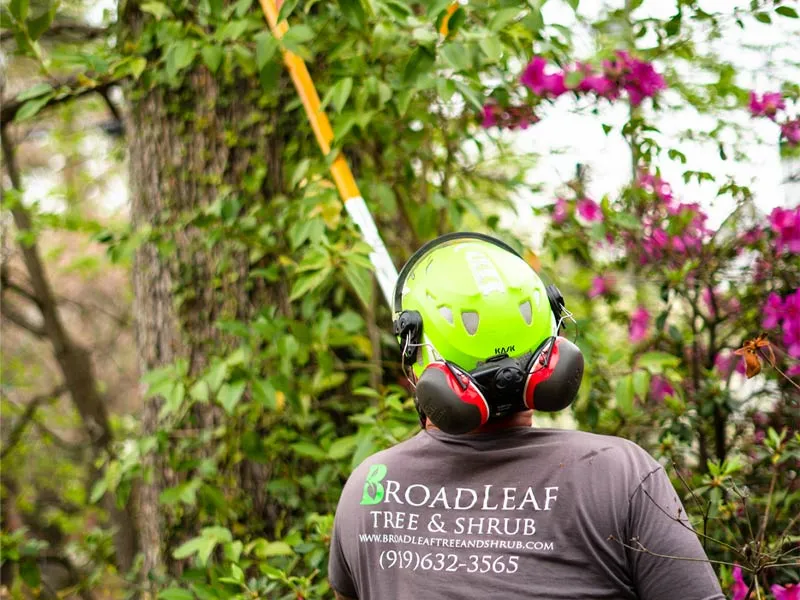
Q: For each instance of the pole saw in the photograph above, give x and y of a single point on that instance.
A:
(385, 271)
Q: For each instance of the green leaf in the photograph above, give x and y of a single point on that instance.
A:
(174, 593)
(287, 8)
(264, 549)
(354, 12)
(19, 10)
(469, 95)
(308, 283)
(457, 56)
(342, 447)
(233, 30)
(492, 48)
(193, 546)
(35, 90)
(98, 490)
(297, 35)
(361, 281)
(786, 11)
(264, 394)
(217, 533)
(396, 8)
(230, 394)
(212, 56)
(641, 383)
(656, 362)
(573, 79)
(763, 18)
(37, 26)
(339, 93)
(242, 6)
(266, 46)
(503, 17)
(32, 107)
(420, 62)
(179, 56)
(158, 9)
(309, 450)
(29, 572)
(624, 395)
(574, 4)
(298, 174)
(137, 66)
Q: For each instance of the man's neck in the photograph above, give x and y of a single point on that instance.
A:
(520, 419)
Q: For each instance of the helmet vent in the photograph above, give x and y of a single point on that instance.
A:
(470, 320)
(447, 313)
(526, 311)
(537, 298)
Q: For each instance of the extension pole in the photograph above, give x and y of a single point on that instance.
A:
(385, 270)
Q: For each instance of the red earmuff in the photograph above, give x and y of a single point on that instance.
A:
(554, 376)
(451, 399)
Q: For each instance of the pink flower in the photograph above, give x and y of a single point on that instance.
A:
(660, 388)
(751, 236)
(759, 436)
(740, 588)
(589, 210)
(541, 84)
(639, 322)
(560, 211)
(655, 185)
(489, 117)
(637, 77)
(601, 285)
(789, 592)
(791, 131)
(772, 311)
(786, 224)
(766, 106)
(791, 324)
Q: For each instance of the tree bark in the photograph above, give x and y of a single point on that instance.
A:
(179, 159)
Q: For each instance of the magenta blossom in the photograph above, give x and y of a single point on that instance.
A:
(601, 285)
(589, 210)
(772, 311)
(740, 588)
(560, 211)
(786, 225)
(540, 83)
(639, 323)
(511, 117)
(660, 388)
(789, 592)
(791, 131)
(767, 105)
(751, 236)
(791, 324)
(636, 77)
(653, 184)
(489, 117)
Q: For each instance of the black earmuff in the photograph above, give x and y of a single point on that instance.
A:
(458, 401)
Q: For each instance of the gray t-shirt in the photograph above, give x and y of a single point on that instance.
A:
(521, 513)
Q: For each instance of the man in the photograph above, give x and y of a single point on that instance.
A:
(479, 504)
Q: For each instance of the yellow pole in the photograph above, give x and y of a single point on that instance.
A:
(385, 270)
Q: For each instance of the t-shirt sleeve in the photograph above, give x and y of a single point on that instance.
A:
(657, 525)
(340, 576)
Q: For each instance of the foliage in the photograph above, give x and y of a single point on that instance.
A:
(312, 385)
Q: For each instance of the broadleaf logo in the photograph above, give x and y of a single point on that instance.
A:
(373, 488)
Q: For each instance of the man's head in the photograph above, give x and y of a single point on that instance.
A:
(479, 328)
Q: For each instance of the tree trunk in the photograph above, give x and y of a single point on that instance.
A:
(181, 156)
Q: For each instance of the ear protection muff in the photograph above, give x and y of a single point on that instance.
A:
(458, 401)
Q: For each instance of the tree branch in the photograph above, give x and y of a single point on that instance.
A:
(79, 30)
(21, 321)
(30, 409)
(74, 90)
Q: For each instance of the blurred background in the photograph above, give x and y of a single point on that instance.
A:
(195, 353)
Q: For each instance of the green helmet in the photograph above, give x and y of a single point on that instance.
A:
(477, 297)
